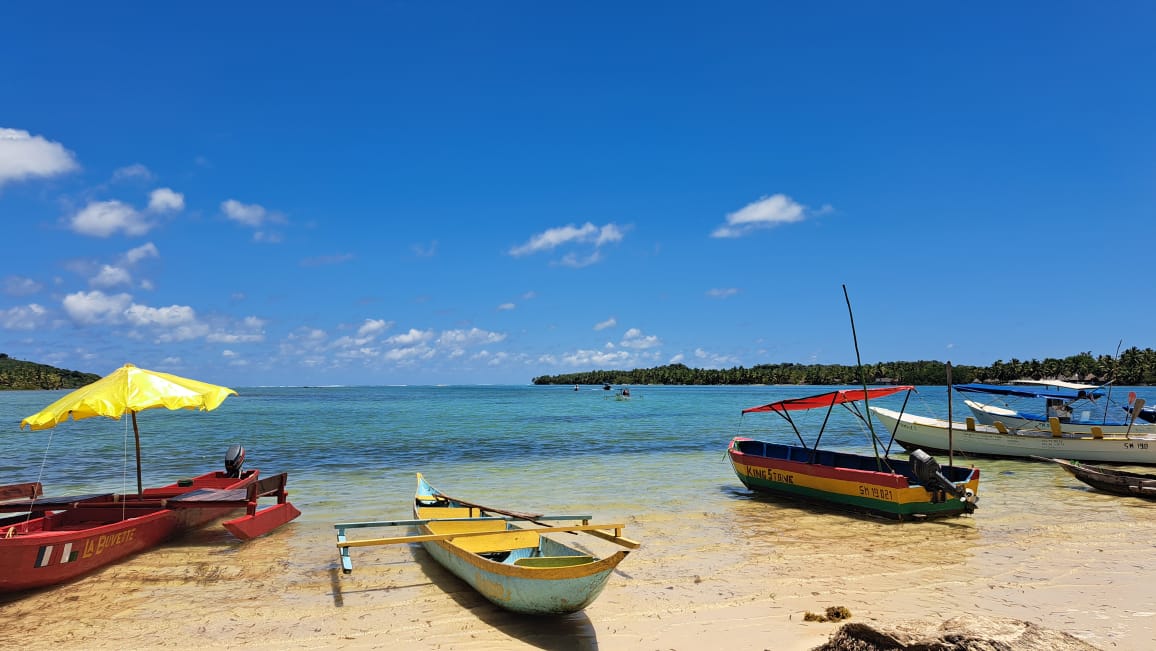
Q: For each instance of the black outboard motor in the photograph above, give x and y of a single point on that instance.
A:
(234, 459)
(927, 470)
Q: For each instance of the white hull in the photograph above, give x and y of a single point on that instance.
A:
(931, 435)
(989, 414)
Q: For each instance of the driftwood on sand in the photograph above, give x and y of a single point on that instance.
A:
(971, 633)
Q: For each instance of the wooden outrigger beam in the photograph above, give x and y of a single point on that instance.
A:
(469, 534)
(610, 532)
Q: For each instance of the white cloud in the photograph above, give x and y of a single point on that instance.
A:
(471, 337)
(373, 327)
(96, 307)
(147, 250)
(165, 317)
(506, 307)
(24, 317)
(103, 218)
(413, 337)
(23, 155)
(586, 235)
(577, 261)
(228, 354)
(423, 251)
(767, 212)
(165, 200)
(608, 323)
(254, 216)
(726, 292)
(677, 359)
(134, 171)
(20, 286)
(633, 338)
(713, 360)
(110, 276)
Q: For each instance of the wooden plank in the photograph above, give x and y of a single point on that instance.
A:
(503, 541)
(553, 561)
(411, 523)
(434, 537)
(21, 491)
(616, 539)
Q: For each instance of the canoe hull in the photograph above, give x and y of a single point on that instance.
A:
(519, 589)
(1110, 480)
(931, 434)
(70, 543)
(845, 481)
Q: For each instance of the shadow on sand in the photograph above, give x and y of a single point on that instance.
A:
(573, 632)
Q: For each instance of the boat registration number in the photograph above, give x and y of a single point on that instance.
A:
(876, 492)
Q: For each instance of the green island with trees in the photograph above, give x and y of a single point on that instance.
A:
(18, 375)
(1132, 367)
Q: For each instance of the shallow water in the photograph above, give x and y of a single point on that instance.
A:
(655, 462)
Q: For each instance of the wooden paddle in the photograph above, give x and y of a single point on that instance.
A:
(529, 517)
(1136, 407)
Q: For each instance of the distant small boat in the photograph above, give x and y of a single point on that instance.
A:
(1110, 480)
(515, 567)
(606, 387)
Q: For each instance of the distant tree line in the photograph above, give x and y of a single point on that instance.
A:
(16, 374)
(1133, 367)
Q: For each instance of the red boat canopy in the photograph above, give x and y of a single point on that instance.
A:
(824, 400)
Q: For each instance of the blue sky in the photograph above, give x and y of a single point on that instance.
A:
(485, 192)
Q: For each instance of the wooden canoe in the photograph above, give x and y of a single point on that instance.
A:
(1110, 480)
(46, 541)
(497, 552)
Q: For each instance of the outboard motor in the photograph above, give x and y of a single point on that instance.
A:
(234, 459)
(927, 470)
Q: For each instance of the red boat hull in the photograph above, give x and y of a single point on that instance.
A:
(74, 541)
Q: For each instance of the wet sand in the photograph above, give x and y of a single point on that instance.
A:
(740, 573)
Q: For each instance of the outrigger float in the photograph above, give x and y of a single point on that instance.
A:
(512, 565)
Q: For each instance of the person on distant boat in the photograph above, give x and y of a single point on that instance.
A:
(626, 392)
(1059, 409)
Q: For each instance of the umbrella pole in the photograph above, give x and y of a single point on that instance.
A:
(136, 434)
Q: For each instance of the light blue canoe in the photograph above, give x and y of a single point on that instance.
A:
(508, 562)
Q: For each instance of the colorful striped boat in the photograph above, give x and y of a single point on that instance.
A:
(877, 485)
(512, 565)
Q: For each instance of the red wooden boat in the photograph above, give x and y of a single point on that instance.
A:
(53, 540)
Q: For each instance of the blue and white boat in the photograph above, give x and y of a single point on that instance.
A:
(1073, 408)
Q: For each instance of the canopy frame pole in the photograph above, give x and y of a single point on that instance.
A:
(863, 379)
(136, 435)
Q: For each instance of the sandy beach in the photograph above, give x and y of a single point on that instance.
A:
(1088, 576)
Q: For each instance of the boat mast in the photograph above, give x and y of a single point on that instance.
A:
(863, 380)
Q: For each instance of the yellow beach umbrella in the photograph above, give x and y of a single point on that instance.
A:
(130, 389)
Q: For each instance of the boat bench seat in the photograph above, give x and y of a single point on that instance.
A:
(553, 561)
(439, 512)
(467, 526)
(498, 542)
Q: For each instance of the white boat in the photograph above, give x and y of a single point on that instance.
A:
(931, 434)
(1077, 408)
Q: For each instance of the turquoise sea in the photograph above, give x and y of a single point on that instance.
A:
(526, 445)
(655, 461)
